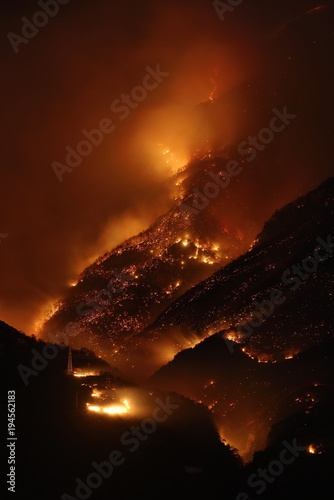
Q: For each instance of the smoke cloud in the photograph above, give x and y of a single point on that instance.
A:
(65, 80)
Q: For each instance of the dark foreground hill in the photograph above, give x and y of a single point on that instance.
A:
(60, 443)
(163, 438)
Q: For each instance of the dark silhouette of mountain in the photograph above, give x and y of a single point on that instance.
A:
(257, 316)
(126, 289)
(248, 312)
(247, 397)
(185, 453)
(142, 287)
(253, 299)
(240, 300)
(58, 439)
(17, 349)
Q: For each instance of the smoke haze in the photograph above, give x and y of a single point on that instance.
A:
(65, 79)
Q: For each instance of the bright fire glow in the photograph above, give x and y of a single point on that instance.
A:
(234, 337)
(47, 312)
(173, 160)
(85, 374)
(94, 408)
(207, 260)
(96, 393)
(115, 409)
(291, 355)
(311, 449)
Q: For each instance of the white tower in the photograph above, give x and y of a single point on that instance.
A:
(69, 362)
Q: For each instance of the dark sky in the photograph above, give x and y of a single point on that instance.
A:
(64, 80)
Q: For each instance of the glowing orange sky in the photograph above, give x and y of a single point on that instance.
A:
(64, 80)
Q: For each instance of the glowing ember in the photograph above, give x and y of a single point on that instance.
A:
(253, 244)
(234, 337)
(264, 358)
(291, 355)
(311, 449)
(175, 160)
(96, 394)
(207, 260)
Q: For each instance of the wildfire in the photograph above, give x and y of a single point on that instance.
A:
(93, 408)
(253, 244)
(84, 374)
(264, 358)
(193, 343)
(207, 260)
(173, 160)
(260, 358)
(96, 394)
(208, 253)
(234, 337)
(291, 355)
(115, 409)
(48, 311)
